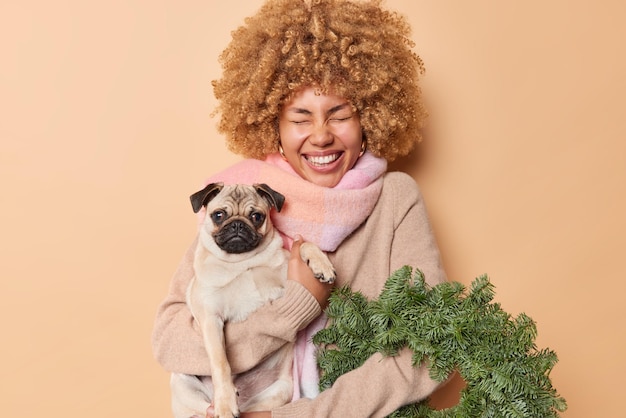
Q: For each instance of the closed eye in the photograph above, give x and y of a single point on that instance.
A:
(342, 119)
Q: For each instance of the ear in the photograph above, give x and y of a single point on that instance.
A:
(272, 196)
(204, 196)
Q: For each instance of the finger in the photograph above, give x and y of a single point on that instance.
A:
(295, 247)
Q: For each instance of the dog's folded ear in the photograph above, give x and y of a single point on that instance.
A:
(272, 196)
(204, 196)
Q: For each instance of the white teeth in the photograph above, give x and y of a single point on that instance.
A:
(326, 159)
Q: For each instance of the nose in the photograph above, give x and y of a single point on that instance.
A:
(321, 136)
(236, 227)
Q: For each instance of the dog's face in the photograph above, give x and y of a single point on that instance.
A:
(237, 216)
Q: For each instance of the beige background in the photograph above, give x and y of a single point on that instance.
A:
(105, 131)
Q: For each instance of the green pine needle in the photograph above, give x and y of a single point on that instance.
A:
(450, 328)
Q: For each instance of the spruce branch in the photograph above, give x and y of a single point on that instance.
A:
(448, 328)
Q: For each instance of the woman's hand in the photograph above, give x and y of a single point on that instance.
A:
(298, 271)
(256, 414)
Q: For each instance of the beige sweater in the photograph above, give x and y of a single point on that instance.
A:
(397, 233)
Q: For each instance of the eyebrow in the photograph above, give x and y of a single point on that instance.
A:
(330, 111)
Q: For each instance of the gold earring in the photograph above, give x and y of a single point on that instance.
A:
(363, 148)
(281, 151)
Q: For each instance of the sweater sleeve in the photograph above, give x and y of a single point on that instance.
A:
(414, 242)
(383, 384)
(177, 344)
(376, 389)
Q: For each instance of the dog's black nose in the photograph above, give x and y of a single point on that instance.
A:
(236, 227)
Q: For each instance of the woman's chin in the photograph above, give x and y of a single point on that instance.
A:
(326, 175)
(324, 179)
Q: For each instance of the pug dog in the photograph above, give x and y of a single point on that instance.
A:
(239, 265)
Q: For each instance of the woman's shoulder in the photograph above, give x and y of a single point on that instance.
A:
(400, 184)
(399, 194)
(399, 177)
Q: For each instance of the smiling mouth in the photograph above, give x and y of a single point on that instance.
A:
(321, 161)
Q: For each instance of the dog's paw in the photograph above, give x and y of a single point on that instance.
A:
(324, 274)
(227, 413)
(225, 405)
(318, 262)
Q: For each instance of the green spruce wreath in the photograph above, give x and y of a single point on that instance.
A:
(505, 374)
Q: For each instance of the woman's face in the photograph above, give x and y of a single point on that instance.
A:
(320, 135)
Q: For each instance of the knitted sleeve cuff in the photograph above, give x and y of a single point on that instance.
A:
(297, 306)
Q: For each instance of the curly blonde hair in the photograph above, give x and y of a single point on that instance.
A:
(355, 49)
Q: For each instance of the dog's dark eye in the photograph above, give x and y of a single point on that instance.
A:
(218, 216)
(257, 218)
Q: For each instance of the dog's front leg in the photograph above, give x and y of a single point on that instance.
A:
(225, 393)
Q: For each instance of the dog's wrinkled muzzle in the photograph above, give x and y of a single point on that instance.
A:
(237, 237)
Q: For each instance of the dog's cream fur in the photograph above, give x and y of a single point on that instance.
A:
(230, 286)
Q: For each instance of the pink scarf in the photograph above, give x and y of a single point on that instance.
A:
(322, 215)
(325, 216)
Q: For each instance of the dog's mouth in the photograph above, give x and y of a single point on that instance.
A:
(237, 238)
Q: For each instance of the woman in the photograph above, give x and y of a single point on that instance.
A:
(320, 95)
